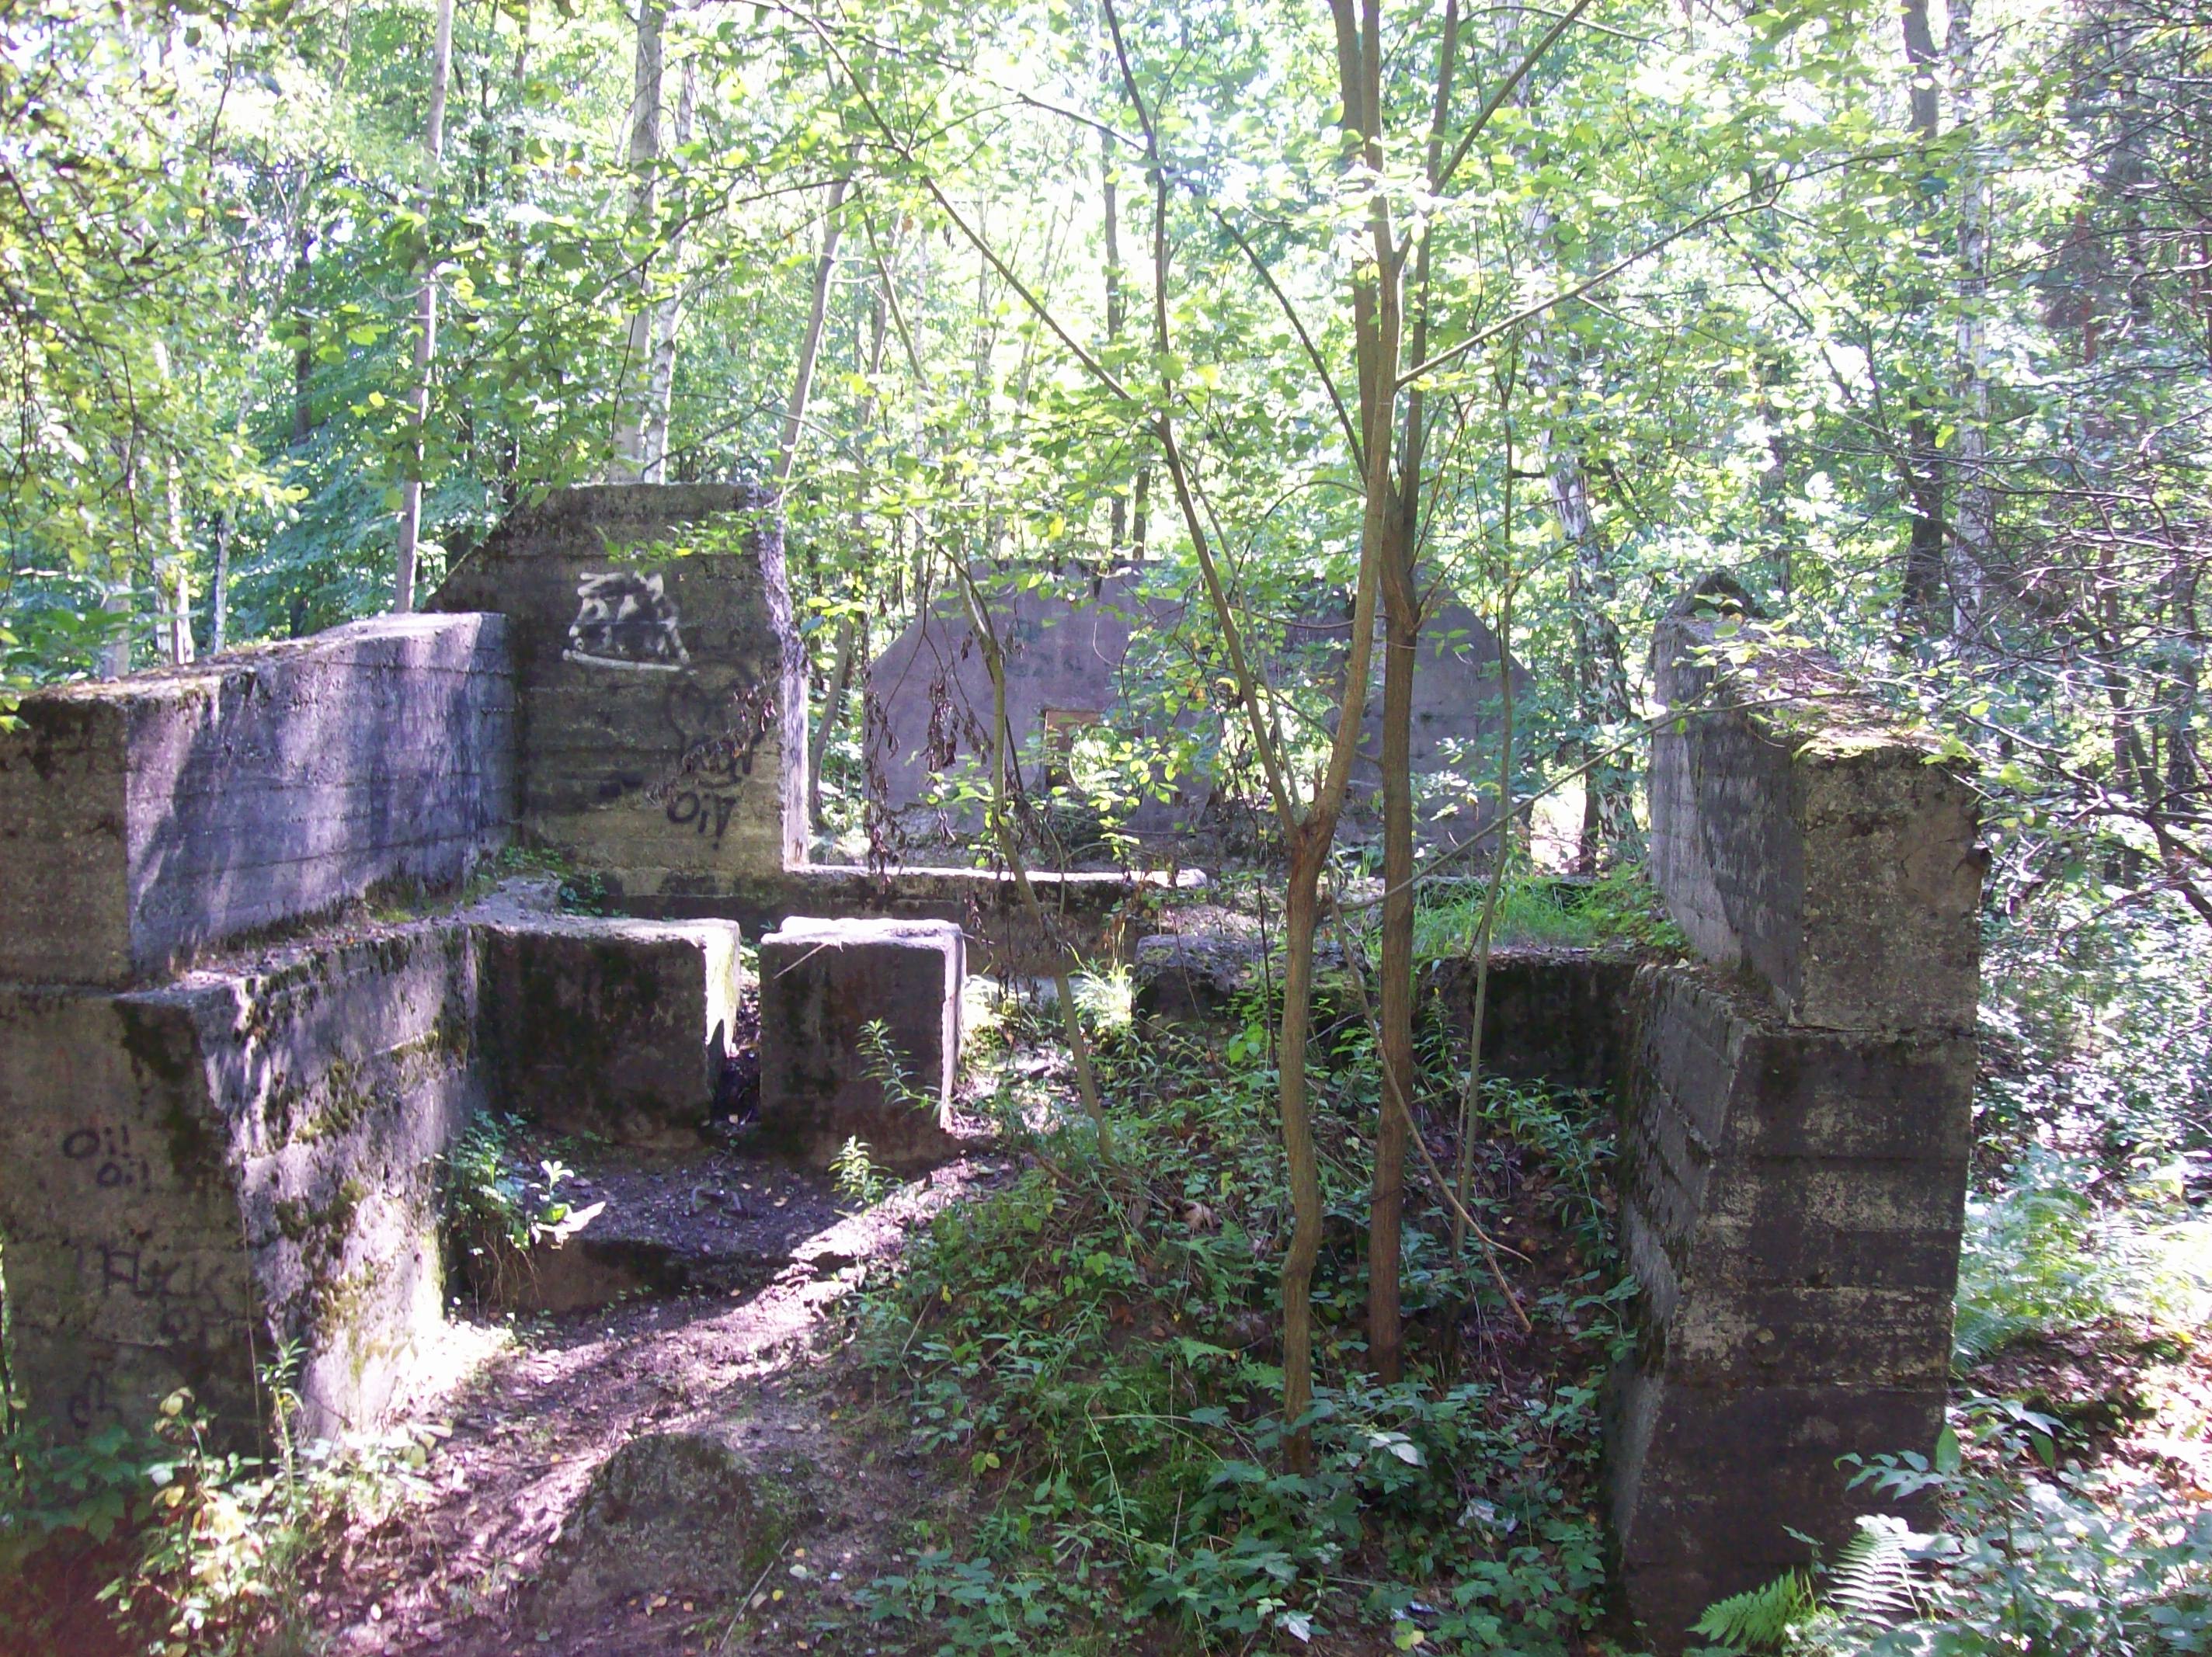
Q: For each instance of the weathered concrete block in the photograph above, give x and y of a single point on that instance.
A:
(615, 1028)
(821, 983)
(1792, 1200)
(662, 690)
(1191, 977)
(1798, 830)
(144, 819)
(190, 1176)
(1707, 1483)
(1555, 1016)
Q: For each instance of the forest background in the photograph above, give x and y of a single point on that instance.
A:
(1902, 317)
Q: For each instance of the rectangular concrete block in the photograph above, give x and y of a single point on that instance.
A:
(663, 698)
(1705, 1484)
(619, 1029)
(145, 819)
(1554, 1015)
(1800, 831)
(822, 984)
(1792, 1199)
(192, 1176)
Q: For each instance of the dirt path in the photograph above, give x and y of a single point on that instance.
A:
(450, 1572)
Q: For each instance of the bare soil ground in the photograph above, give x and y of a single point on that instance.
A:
(742, 1331)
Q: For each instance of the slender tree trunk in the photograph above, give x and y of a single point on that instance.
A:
(1397, 557)
(644, 159)
(1976, 507)
(1924, 603)
(1608, 831)
(426, 318)
(172, 581)
(1386, 1200)
(303, 352)
(661, 393)
(809, 346)
(219, 591)
(1116, 310)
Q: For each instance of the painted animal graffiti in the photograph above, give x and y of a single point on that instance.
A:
(626, 620)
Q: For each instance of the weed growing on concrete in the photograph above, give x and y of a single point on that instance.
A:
(495, 1211)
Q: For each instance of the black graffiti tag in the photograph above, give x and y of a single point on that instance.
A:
(116, 1166)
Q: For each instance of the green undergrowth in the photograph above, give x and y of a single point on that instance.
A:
(155, 1541)
(1615, 910)
(1104, 1370)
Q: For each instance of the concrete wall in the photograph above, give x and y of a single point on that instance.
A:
(1797, 1121)
(190, 1174)
(662, 696)
(930, 702)
(1552, 1016)
(147, 818)
(930, 697)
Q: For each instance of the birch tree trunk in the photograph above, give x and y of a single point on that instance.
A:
(426, 318)
(661, 390)
(173, 584)
(644, 159)
(809, 346)
(1925, 606)
(1976, 526)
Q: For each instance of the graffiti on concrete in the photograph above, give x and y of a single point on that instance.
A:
(700, 794)
(626, 620)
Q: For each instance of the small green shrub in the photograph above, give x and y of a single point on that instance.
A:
(2033, 1558)
(493, 1212)
(856, 1176)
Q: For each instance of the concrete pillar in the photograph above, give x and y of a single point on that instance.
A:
(822, 983)
(1797, 1118)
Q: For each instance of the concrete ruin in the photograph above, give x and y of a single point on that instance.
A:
(660, 689)
(1797, 1113)
(226, 1082)
(929, 702)
(822, 984)
(1074, 665)
(143, 821)
(200, 1168)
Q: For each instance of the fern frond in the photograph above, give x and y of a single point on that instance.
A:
(1872, 1579)
(1761, 1618)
